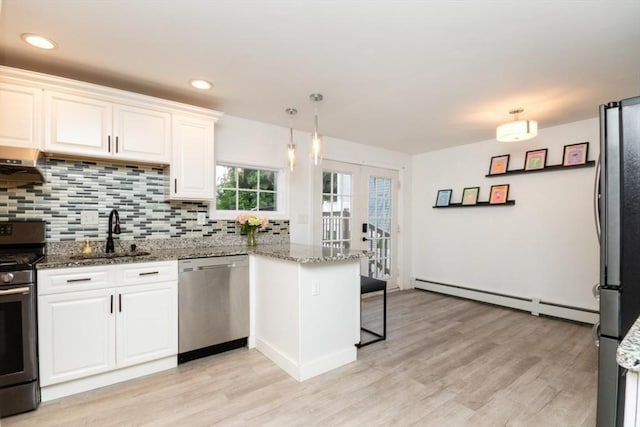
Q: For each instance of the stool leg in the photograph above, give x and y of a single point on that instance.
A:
(384, 314)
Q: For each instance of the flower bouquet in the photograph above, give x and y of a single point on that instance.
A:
(249, 224)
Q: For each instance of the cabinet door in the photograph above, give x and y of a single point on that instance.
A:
(141, 134)
(192, 163)
(20, 116)
(147, 322)
(76, 335)
(77, 125)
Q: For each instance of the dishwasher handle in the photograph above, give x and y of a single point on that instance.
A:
(214, 267)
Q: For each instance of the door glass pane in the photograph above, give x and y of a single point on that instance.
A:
(336, 209)
(379, 226)
(11, 345)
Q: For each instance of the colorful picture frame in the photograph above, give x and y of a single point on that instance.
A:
(499, 164)
(535, 160)
(470, 196)
(499, 194)
(443, 198)
(575, 154)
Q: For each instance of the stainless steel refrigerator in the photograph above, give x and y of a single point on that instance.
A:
(618, 222)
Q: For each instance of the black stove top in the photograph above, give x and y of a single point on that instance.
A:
(22, 244)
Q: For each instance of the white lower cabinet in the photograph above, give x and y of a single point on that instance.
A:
(116, 330)
(146, 323)
(632, 400)
(76, 335)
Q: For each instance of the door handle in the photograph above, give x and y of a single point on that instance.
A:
(119, 303)
(116, 144)
(111, 304)
(596, 291)
(109, 143)
(596, 198)
(595, 334)
(364, 239)
(16, 291)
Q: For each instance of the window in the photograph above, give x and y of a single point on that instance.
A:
(246, 189)
(336, 209)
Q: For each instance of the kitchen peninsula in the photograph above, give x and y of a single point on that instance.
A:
(304, 305)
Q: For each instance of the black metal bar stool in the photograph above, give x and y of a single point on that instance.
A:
(367, 285)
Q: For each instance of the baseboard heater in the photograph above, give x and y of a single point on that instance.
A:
(533, 305)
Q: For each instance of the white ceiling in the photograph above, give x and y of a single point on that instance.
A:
(412, 76)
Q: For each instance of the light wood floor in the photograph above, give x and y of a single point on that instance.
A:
(446, 362)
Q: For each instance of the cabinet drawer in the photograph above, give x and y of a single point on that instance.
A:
(75, 279)
(148, 272)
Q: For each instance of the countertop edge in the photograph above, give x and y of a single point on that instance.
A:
(628, 352)
(281, 252)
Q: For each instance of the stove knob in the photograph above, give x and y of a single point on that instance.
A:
(7, 277)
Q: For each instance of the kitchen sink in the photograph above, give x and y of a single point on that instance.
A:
(110, 255)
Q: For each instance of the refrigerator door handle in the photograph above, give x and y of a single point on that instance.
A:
(596, 198)
(595, 334)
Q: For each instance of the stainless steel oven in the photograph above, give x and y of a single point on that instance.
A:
(21, 246)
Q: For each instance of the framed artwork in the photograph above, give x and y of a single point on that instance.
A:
(470, 195)
(499, 194)
(535, 159)
(444, 197)
(575, 154)
(499, 164)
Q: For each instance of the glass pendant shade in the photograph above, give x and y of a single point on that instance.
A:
(519, 130)
(316, 138)
(291, 147)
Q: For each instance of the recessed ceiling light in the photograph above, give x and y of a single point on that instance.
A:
(39, 41)
(200, 84)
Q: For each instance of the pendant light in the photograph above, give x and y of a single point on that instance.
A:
(517, 130)
(291, 147)
(316, 139)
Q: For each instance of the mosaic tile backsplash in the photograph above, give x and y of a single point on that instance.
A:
(139, 193)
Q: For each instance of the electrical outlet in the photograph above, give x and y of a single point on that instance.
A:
(89, 218)
(202, 218)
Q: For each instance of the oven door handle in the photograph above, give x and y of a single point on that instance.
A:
(15, 291)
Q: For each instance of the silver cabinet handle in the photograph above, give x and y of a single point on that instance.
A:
(596, 291)
(595, 334)
(15, 291)
(85, 279)
(148, 273)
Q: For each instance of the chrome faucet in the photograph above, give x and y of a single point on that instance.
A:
(113, 229)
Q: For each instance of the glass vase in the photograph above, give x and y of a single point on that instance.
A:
(251, 237)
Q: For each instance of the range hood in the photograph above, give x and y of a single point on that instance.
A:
(19, 166)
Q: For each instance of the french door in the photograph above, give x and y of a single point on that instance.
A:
(359, 212)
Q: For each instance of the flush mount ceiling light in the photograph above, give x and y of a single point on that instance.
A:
(517, 130)
(291, 147)
(200, 84)
(39, 41)
(316, 138)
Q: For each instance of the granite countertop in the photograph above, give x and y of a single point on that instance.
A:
(628, 354)
(290, 252)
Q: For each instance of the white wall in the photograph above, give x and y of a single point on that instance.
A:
(543, 247)
(254, 143)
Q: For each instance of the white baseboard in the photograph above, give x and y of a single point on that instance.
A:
(534, 306)
(56, 391)
(304, 371)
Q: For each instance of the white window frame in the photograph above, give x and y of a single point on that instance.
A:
(282, 192)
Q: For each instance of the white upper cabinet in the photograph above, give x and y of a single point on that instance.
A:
(141, 133)
(77, 125)
(85, 126)
(192, 162)
(20, 116)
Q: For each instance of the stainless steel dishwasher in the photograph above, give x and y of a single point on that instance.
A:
(213, 305)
